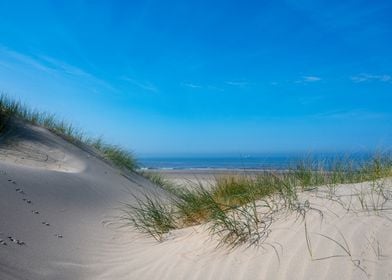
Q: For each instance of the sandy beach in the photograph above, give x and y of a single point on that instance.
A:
(60, 205)
(206, 177)
(195, 140)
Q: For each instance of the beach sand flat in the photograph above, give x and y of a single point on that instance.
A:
(59, 209)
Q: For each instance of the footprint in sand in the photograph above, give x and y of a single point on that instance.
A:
(16, 241)
(12, 181)
(27, 200)
(18, 190)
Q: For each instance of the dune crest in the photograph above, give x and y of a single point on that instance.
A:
(35, 147)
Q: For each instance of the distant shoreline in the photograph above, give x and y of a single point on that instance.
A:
(260, 163)
(210, 170)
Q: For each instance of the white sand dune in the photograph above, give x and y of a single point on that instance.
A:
(37, 148)
(79, 196)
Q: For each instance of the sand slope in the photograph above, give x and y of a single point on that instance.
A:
(79, 197)
(75, 193)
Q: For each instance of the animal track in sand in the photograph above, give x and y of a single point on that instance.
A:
(12, 181)
(36, 212)
(27, 200)
(16, 241)
(13, 240)
(18, 190)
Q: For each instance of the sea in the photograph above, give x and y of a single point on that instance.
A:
(281, 161)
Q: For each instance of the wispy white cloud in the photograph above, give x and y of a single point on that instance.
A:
(310, 79)
(364, 77)
(64, 67)
(11, 57)
(219, 87)
(145, 85)
(71, 70)
(237, 83)
(196, 86)
(49, 66)
(191, 85)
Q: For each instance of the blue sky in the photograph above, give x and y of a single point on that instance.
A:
(170, 77)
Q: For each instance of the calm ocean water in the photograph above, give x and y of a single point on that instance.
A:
(270, 161)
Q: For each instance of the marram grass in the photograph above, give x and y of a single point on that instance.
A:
(151, 216)
(239, 209)
(11, 109)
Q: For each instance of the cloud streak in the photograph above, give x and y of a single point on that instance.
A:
(191, 85)
(204, 87)
(237, 83)
(311, 79)
(364, 77)
(48, 65)
(308, 79)
(11, 57)
(144, 85)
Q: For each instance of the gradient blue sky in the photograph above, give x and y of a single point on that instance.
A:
(168, 77)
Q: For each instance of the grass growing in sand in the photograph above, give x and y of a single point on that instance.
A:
(151, 216)
(14, 110)
(240, 209)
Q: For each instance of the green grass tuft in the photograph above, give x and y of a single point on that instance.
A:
(239, 209)
(150, 216)
(116, 154)
(11, 109)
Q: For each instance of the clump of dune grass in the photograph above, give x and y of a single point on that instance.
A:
(240, 209)
(15, 110)
(310, 174)
(151, 216)
(379, 167)
(236, 189)
(116, 154)
(195, 205)
(11, 109)
(244, 224)
(8, 108)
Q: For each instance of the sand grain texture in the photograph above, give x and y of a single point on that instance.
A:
(79, 196)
